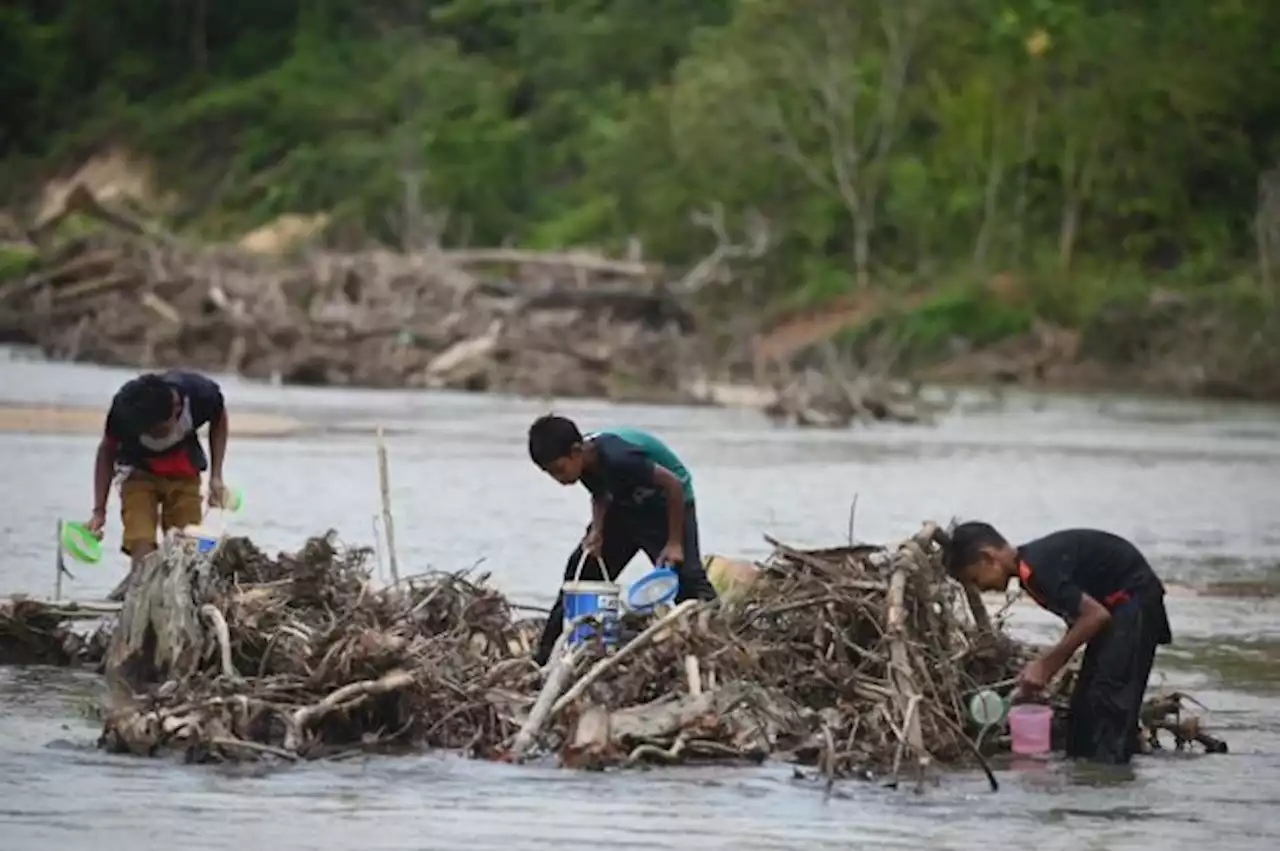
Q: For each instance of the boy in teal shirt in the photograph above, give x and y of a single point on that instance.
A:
(641, 499)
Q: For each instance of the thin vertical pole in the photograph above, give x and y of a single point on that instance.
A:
(384, 487)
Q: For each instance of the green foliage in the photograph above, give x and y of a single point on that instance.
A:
(15, 261)
(957, 313)
(1089, 148)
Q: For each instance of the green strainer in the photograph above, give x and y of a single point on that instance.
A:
(80, 543)
(234, 499)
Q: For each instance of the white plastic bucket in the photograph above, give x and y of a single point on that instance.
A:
(209, 534)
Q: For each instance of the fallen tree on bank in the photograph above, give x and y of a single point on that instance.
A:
(565, 324)
(857, 660)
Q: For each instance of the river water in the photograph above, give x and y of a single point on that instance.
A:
(1197, 486)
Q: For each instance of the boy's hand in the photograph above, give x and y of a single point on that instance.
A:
(593, 542)
(1034, 677)
(672, 554)
(96, 522)
(217, 493)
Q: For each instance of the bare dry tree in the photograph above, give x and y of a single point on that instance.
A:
(836, 117)
(1267, 225)
(1080, 160)
(713, 269)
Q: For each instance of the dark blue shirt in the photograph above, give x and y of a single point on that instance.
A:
(178, 454)
(624, 473)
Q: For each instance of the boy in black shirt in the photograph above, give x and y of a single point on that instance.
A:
(641, 499)
(1102, 586)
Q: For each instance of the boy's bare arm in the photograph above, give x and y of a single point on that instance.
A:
(674, 491)
(219, 430)
(103, 470)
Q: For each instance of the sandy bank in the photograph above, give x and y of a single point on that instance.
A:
(49, 419)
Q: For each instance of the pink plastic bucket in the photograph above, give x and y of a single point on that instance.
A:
(1029, 725)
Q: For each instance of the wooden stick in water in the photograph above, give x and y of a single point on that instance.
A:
(693, 675)
(58, 566)
(68, 609)
(560, 671)
(384, 488)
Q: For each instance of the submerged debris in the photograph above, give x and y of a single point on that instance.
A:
(38, 633)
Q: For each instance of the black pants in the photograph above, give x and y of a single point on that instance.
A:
(1107, 701)
(626, 533)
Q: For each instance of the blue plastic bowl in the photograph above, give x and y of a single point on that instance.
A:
(655, 588)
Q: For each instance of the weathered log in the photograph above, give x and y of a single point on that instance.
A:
(559, 673)
(573, 259)
(592, 744)
(666, 717)
(342, 698)
(908, 560)
(159, 636)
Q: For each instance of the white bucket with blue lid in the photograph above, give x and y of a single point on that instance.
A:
(210, 533)
(203, 539)
(596, 602)
(656, 588)
(207, 536)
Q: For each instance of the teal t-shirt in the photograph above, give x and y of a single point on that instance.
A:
(619, 450)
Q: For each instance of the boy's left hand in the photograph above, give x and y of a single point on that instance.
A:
(216, 492)
(672, 554)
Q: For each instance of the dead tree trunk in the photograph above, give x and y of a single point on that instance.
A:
(160, 636)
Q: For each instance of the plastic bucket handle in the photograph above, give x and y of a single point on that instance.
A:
(577, 574)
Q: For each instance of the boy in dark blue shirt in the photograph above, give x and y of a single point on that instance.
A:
(1111, 600)
(641, 499)
(150, 441)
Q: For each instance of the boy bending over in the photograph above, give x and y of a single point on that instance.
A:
(1111, 600)
(150, 442)
(641, 499)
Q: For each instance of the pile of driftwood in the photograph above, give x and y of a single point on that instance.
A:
(853, 658)
(828, 399)
(303, 657)
(858, 660)
(117, 290)
(570, 324)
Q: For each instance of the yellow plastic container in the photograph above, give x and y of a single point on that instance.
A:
(730, 577)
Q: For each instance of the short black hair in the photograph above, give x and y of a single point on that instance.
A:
(144, 403)
(551, 438)
(965, 542)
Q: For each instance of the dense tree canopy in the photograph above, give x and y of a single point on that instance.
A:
(885, 142)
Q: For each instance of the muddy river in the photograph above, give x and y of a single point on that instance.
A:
(1196, 485)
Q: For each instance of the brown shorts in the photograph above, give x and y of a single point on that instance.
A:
(148, 501)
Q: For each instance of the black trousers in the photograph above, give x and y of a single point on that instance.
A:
(1107, 701)
(625, 533)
